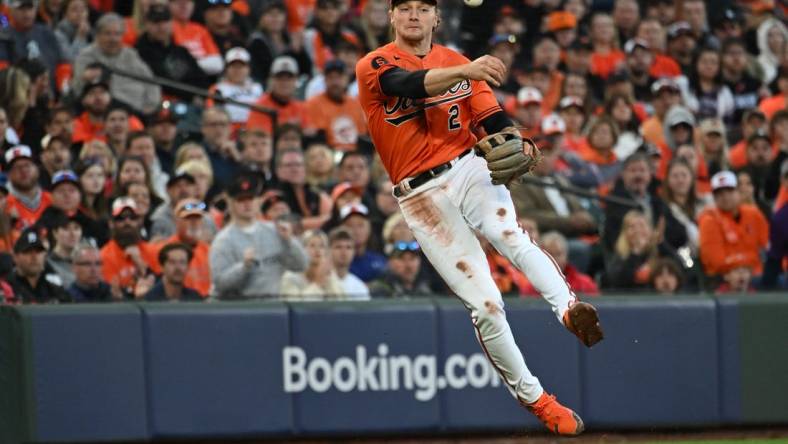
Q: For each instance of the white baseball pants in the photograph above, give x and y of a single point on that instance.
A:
(441, 214)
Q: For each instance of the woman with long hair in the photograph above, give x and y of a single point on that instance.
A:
(272, 39)
(621, 108)
(713, 145)
(73, 31)
(678, 191)
(606, 54)
(132, 169)
(601, 137)
(319, 281)
(15, 94)
(92, 180)
(705, 94)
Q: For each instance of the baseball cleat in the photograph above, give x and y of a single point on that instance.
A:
(557, 418)
(582, 320)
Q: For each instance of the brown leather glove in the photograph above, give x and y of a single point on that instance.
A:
(508, 155)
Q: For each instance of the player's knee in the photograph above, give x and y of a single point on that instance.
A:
(490, 316)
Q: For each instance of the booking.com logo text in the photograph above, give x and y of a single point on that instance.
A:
(385, 372)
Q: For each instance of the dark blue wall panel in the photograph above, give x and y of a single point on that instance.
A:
(730, 361)
(333, 336)
(550, 352)
(216, 370)
(656, 367)
(88, 370)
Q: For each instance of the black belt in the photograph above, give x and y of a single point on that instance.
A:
(426, 176)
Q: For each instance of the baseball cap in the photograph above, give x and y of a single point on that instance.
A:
(61, 219)
(569, 102)
(528, 95)
(679, 29)
(29, 240)
(96, 83)
(16, 153)
(22, 3)
(190, 207)
(342, 188)
(397, 249)
(708, 126)
(237, 54)
(123, 203)
(665, 83)
(730, 14)
(553, 124)
(559, 20)
(723, 179)
(632, 44)
(334, 65)
(244, 186)
(64, 176)
(284, 65)
(270, 198)
(158, 13)
(213, 3)
(180, 174)
(351, 209)
(759, 134)
(164, 115)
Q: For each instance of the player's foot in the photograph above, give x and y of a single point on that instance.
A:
(559, 419)
(582, 320)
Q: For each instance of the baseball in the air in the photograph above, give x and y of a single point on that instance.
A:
(473, 3)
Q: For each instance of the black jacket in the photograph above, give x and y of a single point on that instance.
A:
(44, 292)
(173, 62)
(100, 293)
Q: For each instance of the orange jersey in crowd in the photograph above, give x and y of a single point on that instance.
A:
(771, 105)
(737, 155)
(86, 130)
(26, 216)
(198, 276)
(130, 34)
(342, 122)
(299, 12)
(603, 65)
(664, 66)
(116, 264)
(414, 135)
(293, 111)
(194, 37)
(727, 243)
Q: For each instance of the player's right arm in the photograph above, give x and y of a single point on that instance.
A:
(398, 82)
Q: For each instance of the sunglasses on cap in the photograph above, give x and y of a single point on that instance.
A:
(194, 206)
(220, 2)
(402, 247)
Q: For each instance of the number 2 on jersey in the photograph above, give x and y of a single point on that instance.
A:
(454, 117)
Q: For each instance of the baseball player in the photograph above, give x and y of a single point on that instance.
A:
(421, 101)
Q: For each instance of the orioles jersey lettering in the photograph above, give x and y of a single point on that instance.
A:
(414, 135)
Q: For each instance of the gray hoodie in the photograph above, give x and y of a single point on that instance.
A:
(676, 114)
(232, 280)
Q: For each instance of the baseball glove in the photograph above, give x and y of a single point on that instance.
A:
(508, 155)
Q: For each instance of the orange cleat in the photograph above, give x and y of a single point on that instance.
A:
(582, 320)
(557, 418)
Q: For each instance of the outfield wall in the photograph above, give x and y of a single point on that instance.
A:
(87, 373)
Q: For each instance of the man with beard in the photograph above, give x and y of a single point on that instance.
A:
(126, 258)
(55, 156)
(190, 231)
(95, 100)
(26, 200)
(639, 60)
(66, 193)
(30, 284)
(681, 45)
(760, 168)
(335, 113)
(174, 260)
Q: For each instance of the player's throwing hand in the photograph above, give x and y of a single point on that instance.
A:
(488, 68)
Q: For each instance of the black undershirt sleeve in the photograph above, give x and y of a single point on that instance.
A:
(496, 122)
(397, 82)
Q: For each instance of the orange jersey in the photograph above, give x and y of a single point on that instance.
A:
(293, 111)
(727, 243)
(299, 13)
(603, 65)
(342, 122)
(198, 276)
(414, 135)
(194, 37)
(27, 216)
(117, 266)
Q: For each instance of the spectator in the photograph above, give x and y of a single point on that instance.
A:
(248, 256)
(635, 184)
(88, 285)
(639, 60)
(5, 145)
(95, 100)
(760, 168)
(665, 277)
(606, 56)
(396, 230)
(174, 261)
(194, 37)
(546, 76)
(772, 43)
(164, 130)
(706, 95)
(681, 45)
(288, 135)
(745, 87)
(601, 136)
(7, 231)
(127, 260)
(108, 49)
(713, 145)
(653, 33)
(74, 31)
(100, 152)
(219, 21)
(339, 116)
(354, 168)
(732, 235)
(140, 144)
(623, 112)
(191, 229)
(15, 95)
(141, 195)
(66, 234)
(314, 206)
(373, 25)
(572, 112)
(133, 169)
(777, 256)
(202, 173)
(401, 280)
(236, 84)
(367, 265)
(66, 201)
(30, 283)
(736, 281)
(271, 40)
(274, 206)
(771, 105)
(55, 156)
(180, 186)
(59, 123)
(555, 245)
(527, 110)
(683, 201)
(222, 150)
(754, 121)
(281, 96)
(666, 94)
(157, 47)
(694, 12)
(746, 187)
(116, 128)
(31, 40)
(343, 249)
(318, 281)
(319, 163)
(26, 201)
(626, 16)
(322, 36)
(563, 24)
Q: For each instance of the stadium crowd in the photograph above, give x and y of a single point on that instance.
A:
(117, 188)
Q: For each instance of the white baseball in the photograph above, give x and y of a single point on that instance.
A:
(473, 3)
